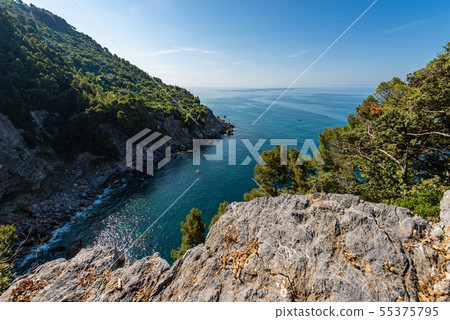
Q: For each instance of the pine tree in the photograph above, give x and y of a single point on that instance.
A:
(222, 208)
(272, 175)
(193, 231)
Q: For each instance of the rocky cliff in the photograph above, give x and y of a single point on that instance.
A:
(289, 248)
(18, 168)
(56, 153)
(39, 192)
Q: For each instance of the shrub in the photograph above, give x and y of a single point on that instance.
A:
(7, 238)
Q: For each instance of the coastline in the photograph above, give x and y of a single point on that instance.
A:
(38, 223)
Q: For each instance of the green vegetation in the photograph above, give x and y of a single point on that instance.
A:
(193, 231)
(395, 149)
(222, 208)
(7, 238)
(283, 172)
(423, 199)
(45, 64)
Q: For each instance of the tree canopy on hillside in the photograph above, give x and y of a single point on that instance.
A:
(45, 64)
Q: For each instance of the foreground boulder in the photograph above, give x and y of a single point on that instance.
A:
(289, 248)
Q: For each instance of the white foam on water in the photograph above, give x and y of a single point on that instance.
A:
(57, 233)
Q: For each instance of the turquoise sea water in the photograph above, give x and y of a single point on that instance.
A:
(122, 215)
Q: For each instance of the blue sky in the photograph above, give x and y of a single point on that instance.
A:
(217, 43)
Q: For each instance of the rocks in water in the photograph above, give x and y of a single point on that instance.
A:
(54, 211)
(229, 127)
(289, 248)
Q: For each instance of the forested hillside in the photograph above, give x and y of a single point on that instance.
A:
(395, 148)
(46, 65)
(67, 106)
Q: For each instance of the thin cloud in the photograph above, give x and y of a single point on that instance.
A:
(234, 65)
(213, 63)
(298, 53)
(406, 26)
(177, 50)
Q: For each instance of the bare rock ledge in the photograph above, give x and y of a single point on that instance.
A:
(322, 247)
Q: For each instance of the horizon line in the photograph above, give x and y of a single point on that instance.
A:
(282, 88)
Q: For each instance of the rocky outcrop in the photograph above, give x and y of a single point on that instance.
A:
(19, 168)
(289, 248)
(445, 208)
(57, 190)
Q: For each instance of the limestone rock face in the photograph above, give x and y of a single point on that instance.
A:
(290, 248)
(445, 208)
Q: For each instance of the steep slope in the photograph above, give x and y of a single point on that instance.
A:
(82, 91)
(67, 106)
(322, 247)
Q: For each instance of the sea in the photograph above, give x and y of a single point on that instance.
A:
(143, 215)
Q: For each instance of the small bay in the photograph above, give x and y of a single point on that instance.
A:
(123, 215)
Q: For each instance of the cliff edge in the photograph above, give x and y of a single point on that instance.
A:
(321, 247)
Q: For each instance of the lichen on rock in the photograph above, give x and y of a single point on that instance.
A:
(321, 247)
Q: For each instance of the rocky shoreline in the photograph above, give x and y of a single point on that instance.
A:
(35, 224)
(60, 198)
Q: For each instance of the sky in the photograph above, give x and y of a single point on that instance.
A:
(265, 44)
